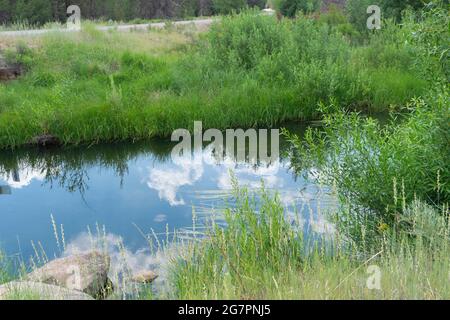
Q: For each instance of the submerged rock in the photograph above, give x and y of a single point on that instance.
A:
(39, 291)
(146, 276)
(84, 272)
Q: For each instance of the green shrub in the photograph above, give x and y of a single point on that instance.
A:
(242, 41)
(21, 55)
(357, 13)
(334, 16)
(428, 32)
(394, 8)
(380, 169)
(390, 9)
(337, 19)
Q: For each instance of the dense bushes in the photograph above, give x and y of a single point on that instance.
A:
(357, 13)
(244, 42)
(311, 57)
(390, 9)
(379, 170)
(394, 8)
(428, 32)
(382, 168)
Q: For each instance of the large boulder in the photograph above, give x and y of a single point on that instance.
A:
(39, 291)
(86, 272)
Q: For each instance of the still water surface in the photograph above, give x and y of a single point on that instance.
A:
(130, 190)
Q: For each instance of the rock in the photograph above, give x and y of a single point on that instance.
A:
(9, 72)
(146, 276)
(39, 291)
(46, 140)
(84, 272)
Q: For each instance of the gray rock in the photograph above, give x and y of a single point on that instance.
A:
(39, 291)
(83, 272)
(146, 276)
(9, 72)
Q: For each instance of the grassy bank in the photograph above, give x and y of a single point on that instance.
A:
(248, 70)
(264, 254)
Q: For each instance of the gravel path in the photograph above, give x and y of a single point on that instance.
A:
(200, 24)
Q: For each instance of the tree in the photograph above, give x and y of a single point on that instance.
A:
(227, 6)
(289, 8)
(42, 11)
(357, 12)
(5, 11)
(394, 8)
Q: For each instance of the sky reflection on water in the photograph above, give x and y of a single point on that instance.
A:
(129, 190)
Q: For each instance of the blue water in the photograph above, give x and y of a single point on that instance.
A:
(127, 191)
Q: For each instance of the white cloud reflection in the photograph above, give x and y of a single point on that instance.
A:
(21, 177)
(168, 181)
(186, 171)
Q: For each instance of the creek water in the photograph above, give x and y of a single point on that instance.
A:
(127, 192)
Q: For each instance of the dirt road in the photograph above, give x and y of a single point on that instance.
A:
(199, 24)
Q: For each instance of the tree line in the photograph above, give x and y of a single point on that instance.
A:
(38, 12)
(42, 11)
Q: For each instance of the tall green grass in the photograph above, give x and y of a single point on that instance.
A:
(247, 71)
(5, 272)
(263, 254)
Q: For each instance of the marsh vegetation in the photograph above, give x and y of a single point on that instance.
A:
(250, 70)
